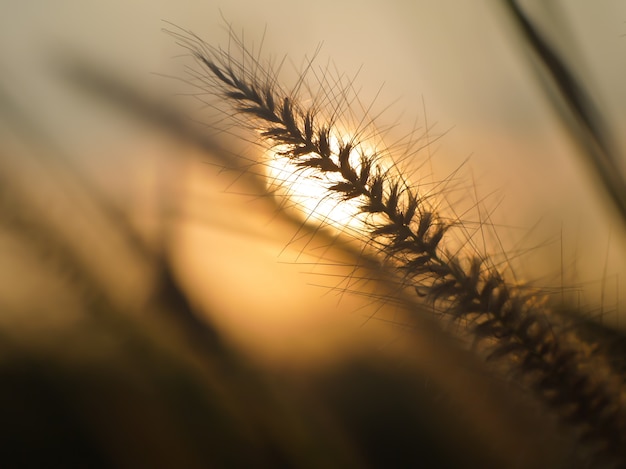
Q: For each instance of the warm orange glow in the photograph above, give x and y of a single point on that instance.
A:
(307, 190)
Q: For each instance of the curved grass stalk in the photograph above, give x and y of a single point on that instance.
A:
(512, 324)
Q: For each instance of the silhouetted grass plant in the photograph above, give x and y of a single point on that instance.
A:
(509, 323)
(370, 407)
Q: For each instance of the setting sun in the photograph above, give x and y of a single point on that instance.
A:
(308, 191)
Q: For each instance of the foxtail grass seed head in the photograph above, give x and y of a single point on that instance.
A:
(341, 179)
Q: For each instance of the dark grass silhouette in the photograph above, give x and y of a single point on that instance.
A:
(155, 383)
(406, 230)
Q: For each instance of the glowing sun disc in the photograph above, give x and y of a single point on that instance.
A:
(308, 191)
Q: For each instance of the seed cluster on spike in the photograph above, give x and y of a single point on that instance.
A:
(411, 236)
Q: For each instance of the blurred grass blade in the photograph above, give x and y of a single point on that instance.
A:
(589, 129)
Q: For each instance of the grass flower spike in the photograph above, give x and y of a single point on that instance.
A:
(511, 324)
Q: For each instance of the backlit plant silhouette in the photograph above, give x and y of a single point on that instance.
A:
(510, 323)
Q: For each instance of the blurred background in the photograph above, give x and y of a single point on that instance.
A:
(104, 210)
(449, 67)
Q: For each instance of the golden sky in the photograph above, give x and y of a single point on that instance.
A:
(453, 65)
